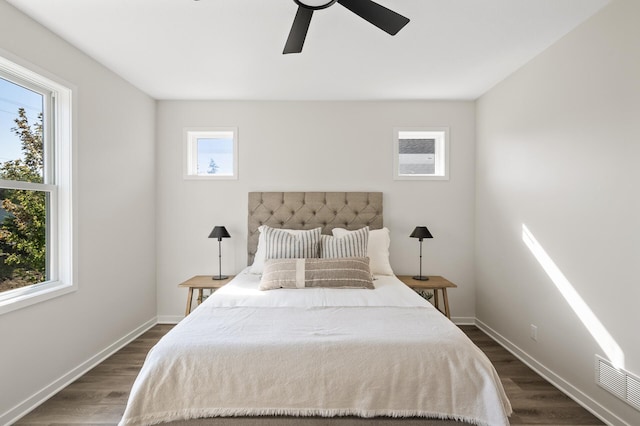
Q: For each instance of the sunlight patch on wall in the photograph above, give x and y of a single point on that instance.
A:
(579, 306)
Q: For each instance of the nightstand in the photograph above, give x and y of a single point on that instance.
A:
(434, 283)
(201, 282)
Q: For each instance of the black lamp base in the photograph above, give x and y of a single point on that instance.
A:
(219, 277)
(421, 278)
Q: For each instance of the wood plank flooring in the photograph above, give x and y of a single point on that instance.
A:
(99, 397)
(534, 400)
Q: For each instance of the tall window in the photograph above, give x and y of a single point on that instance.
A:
(35, 187)
(421, 153)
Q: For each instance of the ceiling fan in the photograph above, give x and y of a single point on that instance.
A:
(383, 18)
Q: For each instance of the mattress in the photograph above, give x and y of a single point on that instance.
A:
(322, 352)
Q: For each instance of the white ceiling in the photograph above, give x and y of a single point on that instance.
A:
(232, 49)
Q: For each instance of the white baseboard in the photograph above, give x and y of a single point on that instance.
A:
(26, 406)
(463, 320)
(170, 319)
(571, 391)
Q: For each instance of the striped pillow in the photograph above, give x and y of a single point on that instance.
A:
(353, 244)
(352, 272)
(377, 249)
(280, 244)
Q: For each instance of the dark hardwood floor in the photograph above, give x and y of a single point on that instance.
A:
(534, 400)
(99, 397)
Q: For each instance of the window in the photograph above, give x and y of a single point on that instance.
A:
(35, 187)
(211, 153)
(421, 153)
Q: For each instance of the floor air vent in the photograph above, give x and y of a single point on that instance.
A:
(619, 382)
(633, 392)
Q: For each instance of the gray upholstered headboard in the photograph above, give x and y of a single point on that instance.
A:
(308, 210)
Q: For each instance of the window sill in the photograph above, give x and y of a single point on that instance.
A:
(21, 298)
(421, 177)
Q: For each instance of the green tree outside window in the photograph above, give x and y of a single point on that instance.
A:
(24, 212)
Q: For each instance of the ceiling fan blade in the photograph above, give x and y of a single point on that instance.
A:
(298, 32)
(383, 18)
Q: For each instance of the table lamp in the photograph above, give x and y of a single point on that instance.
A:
(219, 232)
(421, 232)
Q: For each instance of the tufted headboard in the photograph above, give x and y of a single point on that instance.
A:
(308, 210)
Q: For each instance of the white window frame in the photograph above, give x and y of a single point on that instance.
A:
(191, 136)
(441, 137)
(57, 184)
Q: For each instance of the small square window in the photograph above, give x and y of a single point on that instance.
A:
(421, 153)
(211, 153)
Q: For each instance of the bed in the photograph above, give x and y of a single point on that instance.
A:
(379, 355)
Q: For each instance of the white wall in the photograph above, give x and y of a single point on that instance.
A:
(313, 146)
(558, 151)
(44, 344)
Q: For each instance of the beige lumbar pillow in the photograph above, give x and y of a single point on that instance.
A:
(346, 272)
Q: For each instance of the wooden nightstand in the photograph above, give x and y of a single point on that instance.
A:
(434, 283)
(201, 282)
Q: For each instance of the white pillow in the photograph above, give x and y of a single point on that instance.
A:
(377, 249)
(261, 251)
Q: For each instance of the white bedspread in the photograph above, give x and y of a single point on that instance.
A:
(344, 353)
(243, 291)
